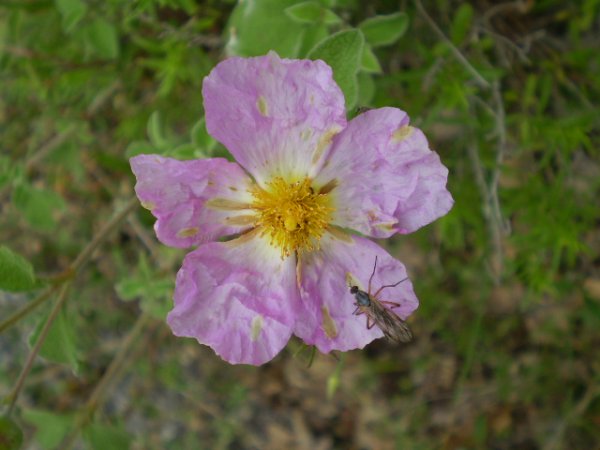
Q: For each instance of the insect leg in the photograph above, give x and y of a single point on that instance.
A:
(371, 279)
(388, 285)
(396, 305)
(370, 322)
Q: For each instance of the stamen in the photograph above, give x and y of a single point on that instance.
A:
(293, 215)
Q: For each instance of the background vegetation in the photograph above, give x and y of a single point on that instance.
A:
(507, 335)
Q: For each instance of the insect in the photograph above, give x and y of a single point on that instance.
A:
(393, 327)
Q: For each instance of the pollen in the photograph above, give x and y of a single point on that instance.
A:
(292, 214)
(402, 133)
(328, 323)
(188, 232)
(256, 327)
(148, 205)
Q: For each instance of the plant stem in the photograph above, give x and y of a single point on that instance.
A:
(87, 252)
(70, 273)
(491, 208)
(555, 439)
(95, 400)
(482, 82)
(41, 298)
(65, 282)
(14, 395)
(59, 139)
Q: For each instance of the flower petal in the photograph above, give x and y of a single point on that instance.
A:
(276, 116)
(327, 319)
(237, 297)
(176, 193)
(388, 180)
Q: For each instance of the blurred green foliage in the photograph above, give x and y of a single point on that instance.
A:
(16, 273)
(509, 281)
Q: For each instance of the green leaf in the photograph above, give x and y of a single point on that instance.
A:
(461, 23)
(154, 291)
(368, 61)
(312, 12)
(384, 30)
(51, 428)
(342, 51)
(155, 131)
(138, 147)
(11, 436)
(203, 141)
(72, 11)
(60, 343)
(334, 380)
(8, 171)
(38, 207)
(102, 38)
(312, 36)
(106, 437)
(331, 18)
(480, 433)
(184, 151)
(16, 273)
(112, 162)
(258, 26)
(366, 89)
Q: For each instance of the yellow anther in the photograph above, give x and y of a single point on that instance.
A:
(292, 214)
(290, 223)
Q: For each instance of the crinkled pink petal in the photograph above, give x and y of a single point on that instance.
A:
(237, 297)
(326, 318)
(176, 192)
(388, 180)
(276, 116)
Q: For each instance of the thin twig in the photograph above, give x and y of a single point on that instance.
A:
(41, 298)
(554, 441)
(14, 395)
(429, 77)
(95, 400)
(500, 151)
(87, 252)
(488, 212)
(521, 53)
(519, 6)
(102, 98)
(146, 238)
(185, 33)
(51, 145)
(83, 258)
(482, 82)
(489, 192)
(59, 139)
(484, 105)
(133, 222)
(498, 227)
(75, 267)
(56, 141)
(473, 152)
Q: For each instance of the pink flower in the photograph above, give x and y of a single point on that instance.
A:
(303, 177)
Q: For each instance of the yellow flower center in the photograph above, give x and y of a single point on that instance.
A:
(293, 215)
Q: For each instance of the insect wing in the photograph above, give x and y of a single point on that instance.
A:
(393, 327)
